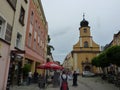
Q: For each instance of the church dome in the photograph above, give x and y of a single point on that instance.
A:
(84, 23)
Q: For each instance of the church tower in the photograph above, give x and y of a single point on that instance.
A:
(85, 49)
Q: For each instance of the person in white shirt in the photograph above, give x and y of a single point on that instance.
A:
(29, 77)
(64, 78)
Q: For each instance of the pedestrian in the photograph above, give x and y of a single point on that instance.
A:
(29, 77)
(56, 79)
(64, 81)
(35, 76)
(75, 75)
(41, 81)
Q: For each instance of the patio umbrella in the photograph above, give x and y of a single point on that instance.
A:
(53, 65)
(42, 66)
(50, 65)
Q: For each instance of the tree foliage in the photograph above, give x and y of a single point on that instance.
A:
(103, 61)
(113, 54)
(26, 69)
(95, 61)
(49, 47)
(107, 57)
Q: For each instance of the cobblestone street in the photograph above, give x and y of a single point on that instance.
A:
(94, 83)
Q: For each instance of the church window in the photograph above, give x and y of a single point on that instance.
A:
(85, 30)
(85, 44)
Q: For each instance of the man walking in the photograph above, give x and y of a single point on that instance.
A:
(75, 78)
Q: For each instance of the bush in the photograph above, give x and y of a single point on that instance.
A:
(26, 69)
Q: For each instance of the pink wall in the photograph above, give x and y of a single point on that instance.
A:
(4, 64)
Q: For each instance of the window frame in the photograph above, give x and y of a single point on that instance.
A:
(86, 44)
(3, 27)
(29, 39)
(22, 16)
(18, 40)
(85, 30)
(31, 17)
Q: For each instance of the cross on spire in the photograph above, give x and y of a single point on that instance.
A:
(83, 16)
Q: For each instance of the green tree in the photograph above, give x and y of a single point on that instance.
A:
(103, 61)
(26, 69)
(95, 62)
(49, 47)
(113, 54)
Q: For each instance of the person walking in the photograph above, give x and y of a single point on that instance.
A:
(29, 77)
(64, 81)
(56, 79)
(75, 75)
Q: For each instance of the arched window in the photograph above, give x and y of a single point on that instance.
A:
(85, 44)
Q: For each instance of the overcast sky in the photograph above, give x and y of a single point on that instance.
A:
(64, 17)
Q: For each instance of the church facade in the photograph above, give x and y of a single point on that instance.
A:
(84, 50)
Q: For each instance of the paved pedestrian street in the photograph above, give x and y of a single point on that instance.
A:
(84, 83)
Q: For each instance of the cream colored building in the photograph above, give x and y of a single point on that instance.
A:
(116, 39)
(68, 62)
(85, 49)
(6, 24)
(17, 47)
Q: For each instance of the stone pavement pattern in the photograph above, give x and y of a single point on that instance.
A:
(94, 83)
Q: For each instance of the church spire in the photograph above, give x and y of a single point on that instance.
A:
(83, 16)
(84, 23)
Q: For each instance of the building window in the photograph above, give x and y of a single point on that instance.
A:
(2, 27)
(8, 33)
(26, 1)
(38, 40)
(36, 25)
(12, 3)
(85, 30)
(29, 39)
(35, 35)
(34, 46)
(31, 17)
(22, 15)
(85, 44)
(18, 40)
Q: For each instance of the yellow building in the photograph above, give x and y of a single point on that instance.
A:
(85, 49)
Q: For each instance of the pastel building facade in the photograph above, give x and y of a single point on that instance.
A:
(23, 39)
(84, 50)
(17, 46)
(6, 25)
(36, 36)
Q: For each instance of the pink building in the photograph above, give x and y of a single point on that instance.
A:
(4, 63)
(36, 35)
